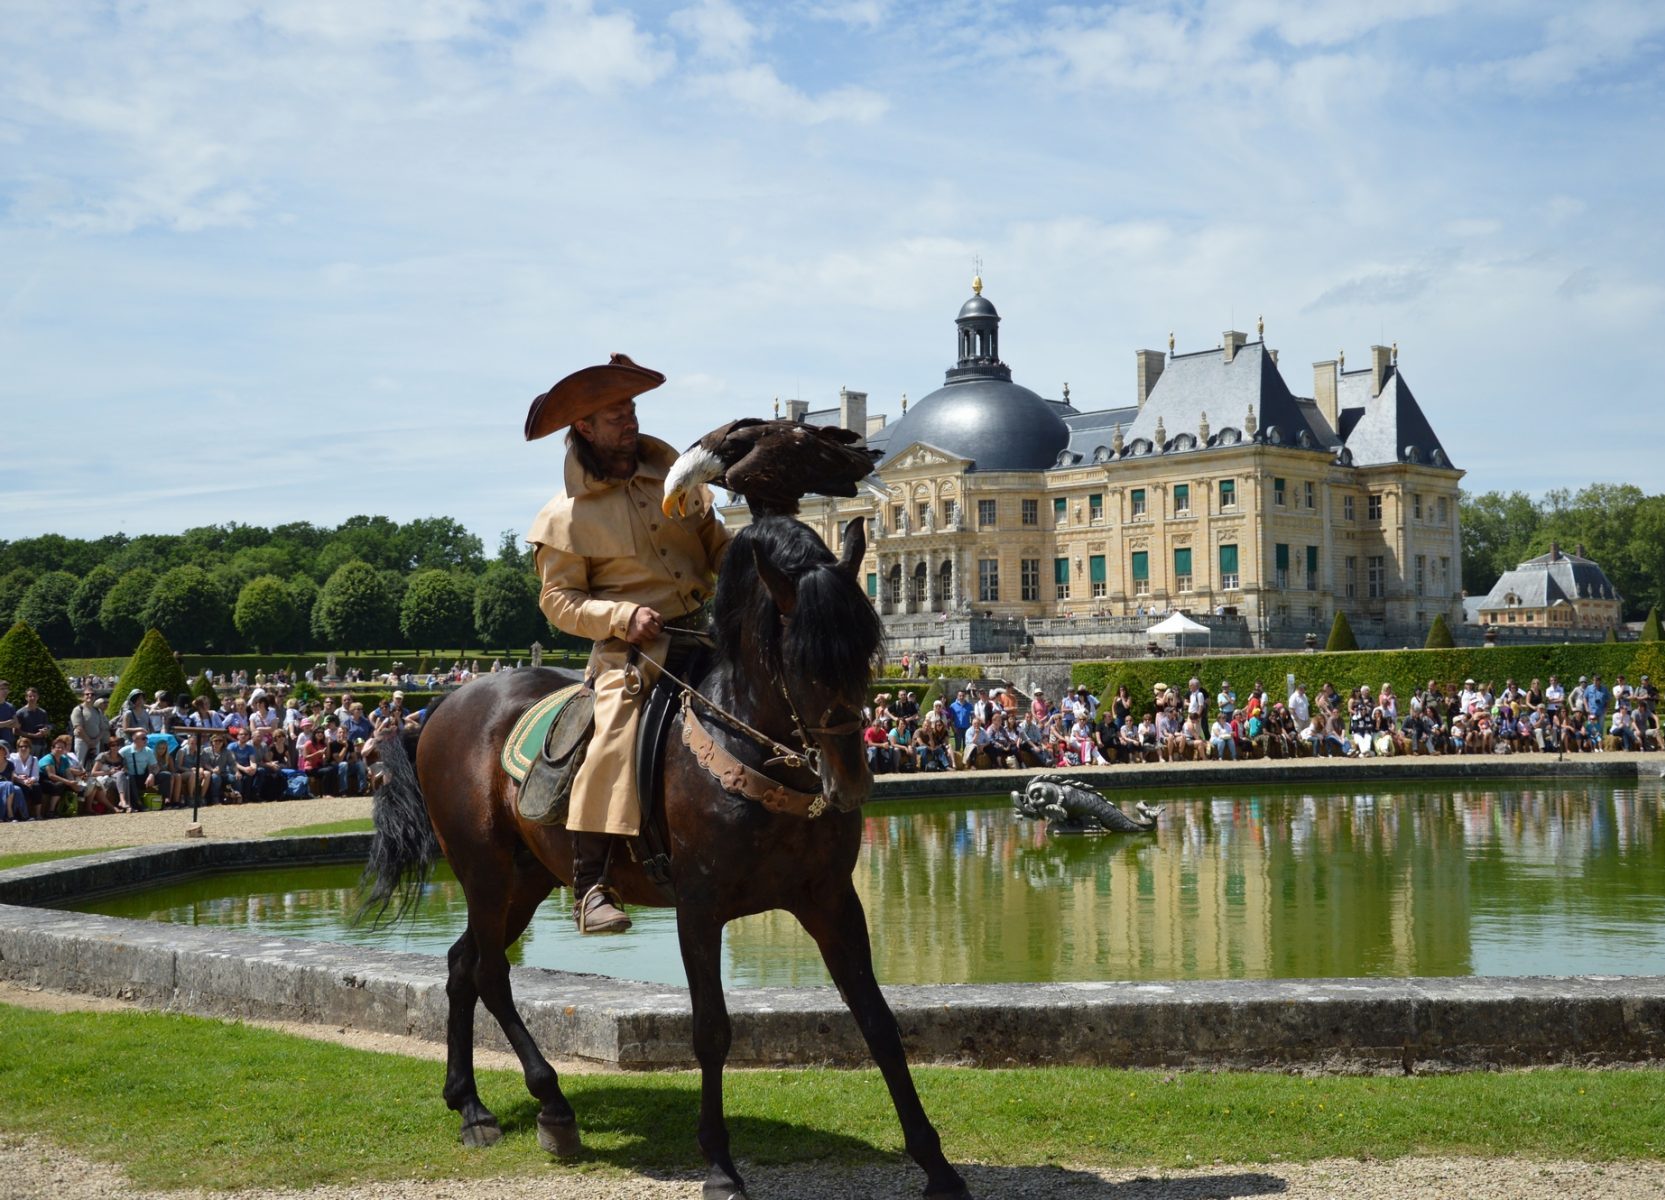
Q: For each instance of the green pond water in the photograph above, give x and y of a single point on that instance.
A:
(1243, 884)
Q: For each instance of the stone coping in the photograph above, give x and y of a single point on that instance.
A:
(1324, 1024)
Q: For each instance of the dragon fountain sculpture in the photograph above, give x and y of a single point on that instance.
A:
(1071, 807)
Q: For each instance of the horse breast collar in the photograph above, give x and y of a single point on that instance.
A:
(738, 778)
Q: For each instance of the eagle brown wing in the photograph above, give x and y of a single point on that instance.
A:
(774, 464)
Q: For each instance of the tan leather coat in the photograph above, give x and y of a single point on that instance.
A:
(603, 548)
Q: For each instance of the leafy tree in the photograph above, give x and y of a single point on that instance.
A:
(26, 663)
(439, 542)
(54, 552)
(437, 611)
(356, 609)
(45, 609)
(513, 552)
(1650, 627)
(1341, 634)
(266, 613)
(303, 589)
(506, 608)
(1439, 635)
(152, 668)
(188, 607)
(123, 612)
(85, 606)
(1498, 531)
(12, 586)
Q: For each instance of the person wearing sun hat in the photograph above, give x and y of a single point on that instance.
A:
(614, 569)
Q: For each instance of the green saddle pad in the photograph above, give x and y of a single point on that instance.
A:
(527, 737)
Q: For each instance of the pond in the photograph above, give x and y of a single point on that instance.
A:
(1519, 879)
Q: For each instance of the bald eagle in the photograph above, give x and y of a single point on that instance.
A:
(773, 464)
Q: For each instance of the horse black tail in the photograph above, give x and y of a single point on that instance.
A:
(404, 848)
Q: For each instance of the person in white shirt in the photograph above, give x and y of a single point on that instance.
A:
(1196, 700)
(1554, 696)
(1470, 696)
(1300, 708)
(1221, 741)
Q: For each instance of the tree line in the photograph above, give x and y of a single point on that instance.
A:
(1620, 527)
(369, 583)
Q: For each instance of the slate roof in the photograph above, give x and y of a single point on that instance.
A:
(1091, 430)
(1194, 384)
(1549, 578)
(1388, 428)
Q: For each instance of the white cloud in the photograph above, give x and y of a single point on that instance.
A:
(599, 52)
(720, 31)
(757, 88)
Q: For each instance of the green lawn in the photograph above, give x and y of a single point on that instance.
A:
(356, 825)
(38, 856)
(186, 1102)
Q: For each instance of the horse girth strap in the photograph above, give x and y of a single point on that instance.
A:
(741, 780)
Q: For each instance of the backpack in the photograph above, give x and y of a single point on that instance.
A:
(295, 788)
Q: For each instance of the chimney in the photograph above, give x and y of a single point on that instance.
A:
(852, 411)
(796, 410)
(1150, 370)
(1554, 551)
(875, 423)
(1580, 551)
(1381, 360)
(1233, 342)
(1324, 392)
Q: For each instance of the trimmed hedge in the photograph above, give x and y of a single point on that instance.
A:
(152, 668)
(1439, 635)
(204, 686)
(26, 663)
(93, 666)
(1406, 670)
(1341, 635)
(1650, 627)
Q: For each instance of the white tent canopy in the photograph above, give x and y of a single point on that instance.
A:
(1179, 625)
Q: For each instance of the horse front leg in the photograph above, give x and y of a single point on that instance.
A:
(479, 1125)
(701, 939)
(840, 931)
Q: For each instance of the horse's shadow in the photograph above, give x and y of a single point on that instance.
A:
(650, 1130)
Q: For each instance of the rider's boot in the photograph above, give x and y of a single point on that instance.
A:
(596, 907)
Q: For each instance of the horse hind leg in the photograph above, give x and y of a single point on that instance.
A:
(840, 932)
(479, 1124)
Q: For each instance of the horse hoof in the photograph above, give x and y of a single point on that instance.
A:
(560, 1138)
(481, 1134)
(723, 1191)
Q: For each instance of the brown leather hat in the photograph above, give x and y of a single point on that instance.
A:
(588, 391)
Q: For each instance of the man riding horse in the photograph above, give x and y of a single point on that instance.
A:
(616, 568)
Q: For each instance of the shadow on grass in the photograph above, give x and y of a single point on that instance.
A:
(651, 1132)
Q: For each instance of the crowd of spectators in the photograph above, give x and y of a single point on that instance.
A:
(997, 728)
(254, 747)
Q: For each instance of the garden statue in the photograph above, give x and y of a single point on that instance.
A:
(1071, 807)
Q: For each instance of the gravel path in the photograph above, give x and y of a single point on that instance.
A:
(151, 828)
(32, 1171)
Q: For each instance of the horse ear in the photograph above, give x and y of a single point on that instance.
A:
(781, 588)
(855, 547)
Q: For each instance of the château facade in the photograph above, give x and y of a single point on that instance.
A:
(1217, 490)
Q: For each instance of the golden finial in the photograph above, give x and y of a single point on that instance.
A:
(1260, 326)
(904, 402)
(1170, 342)
(1396, 354)
(977, 285)
(777, 408)
(1341, 359)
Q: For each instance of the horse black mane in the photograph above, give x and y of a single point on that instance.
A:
(834, 636)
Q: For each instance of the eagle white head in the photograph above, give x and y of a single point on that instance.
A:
(695, 468)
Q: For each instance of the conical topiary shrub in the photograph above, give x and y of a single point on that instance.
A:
(1650, 627)
(1341, 635)
(26, 663)
(201, 686)
(1611, 637)
(152, 668)
(1439, 635)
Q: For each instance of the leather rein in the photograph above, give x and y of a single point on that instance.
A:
(734, 775)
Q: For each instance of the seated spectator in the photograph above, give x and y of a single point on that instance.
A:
(14, 802)
(976, 743)
(196, 773)
(144, 771)
(33, 721)
(931, 745)
(1032, 741)
(1001, 748)
(1221, 743)
(879, 753)
(1622, 732)
(313, 759)
(1321, 741)
(1084, 741)
(62, 781)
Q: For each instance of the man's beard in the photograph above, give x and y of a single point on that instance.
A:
(609, 463)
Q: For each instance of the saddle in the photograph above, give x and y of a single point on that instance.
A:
(549, 743)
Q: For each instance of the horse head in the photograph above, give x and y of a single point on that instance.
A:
(817, 636)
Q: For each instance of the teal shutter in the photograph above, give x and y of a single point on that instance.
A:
(1228, 560)
(1182, 561)
(1096, 565)
(1283, 556)
(1060, 570)
(872, 585)
(1141, 564)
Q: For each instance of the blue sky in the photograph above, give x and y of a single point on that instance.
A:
(270, 260)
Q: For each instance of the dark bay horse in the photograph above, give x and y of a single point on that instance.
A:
(787, 616)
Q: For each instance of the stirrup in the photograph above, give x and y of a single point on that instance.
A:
(599, 898)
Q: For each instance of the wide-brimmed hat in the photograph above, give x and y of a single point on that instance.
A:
(586, 392)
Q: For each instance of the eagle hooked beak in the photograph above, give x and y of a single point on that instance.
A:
(694, 468)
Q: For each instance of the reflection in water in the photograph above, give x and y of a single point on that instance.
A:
(1268, 883)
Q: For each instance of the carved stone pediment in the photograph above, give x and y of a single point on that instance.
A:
(920, 454)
